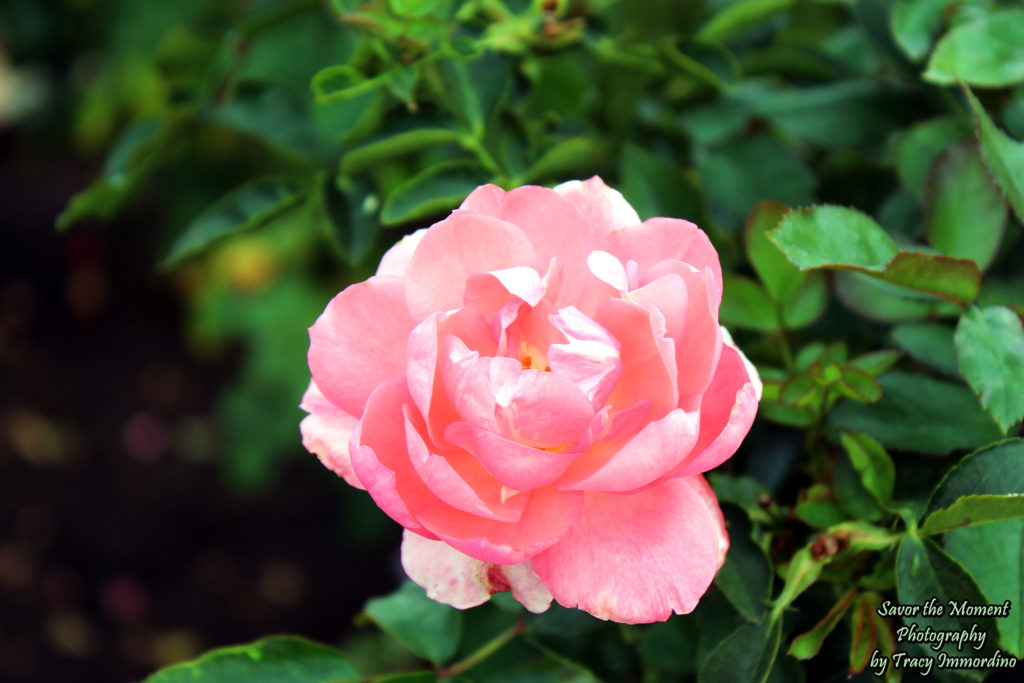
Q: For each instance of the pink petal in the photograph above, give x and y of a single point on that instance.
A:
(604, 208)
(467, 382)
(702, 487)
(452, 250)
(608, 270)
(396, 259)
(326, 432)
(651, 454)
(648, 357)
(489, 292)
(359, 341)
(519, 467)
(636, 558)
(380, 457)
(541, 410)
(546, 518)
(455, 579)
(591, 358)
(459, 480)
(692, 321)
(553, 226)
(423, 370)
(726, 413)
(667, 238)
(485, 200)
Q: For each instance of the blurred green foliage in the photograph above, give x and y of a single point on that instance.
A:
(291, 141)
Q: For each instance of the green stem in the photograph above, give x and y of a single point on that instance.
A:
(484, 652)
(787, 354)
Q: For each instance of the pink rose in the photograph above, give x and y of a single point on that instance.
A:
(532, 387)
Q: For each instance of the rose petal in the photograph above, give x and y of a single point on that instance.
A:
(653, 453)
(326, 432)
(396, 259)
(359, 341)
(553, 226)
(682, 297)
(591, 358)
(667, 238)
(636, 558)
(455, 579)
(604, 208)
(452, 250)
(648, 357)
(546, 518)
(423, 370)
(727, 411)
(519, 467)
(380, 457)
(542, 410)
(459, 480)
(489, 292)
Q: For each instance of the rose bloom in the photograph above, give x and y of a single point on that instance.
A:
(532, 387)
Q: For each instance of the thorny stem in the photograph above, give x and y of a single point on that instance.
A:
(484, 652)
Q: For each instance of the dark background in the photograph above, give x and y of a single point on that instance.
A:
(121, 546)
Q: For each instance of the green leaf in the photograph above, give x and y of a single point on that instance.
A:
(876, 362)
(276, 659)
(348, 216)
(571, 154)
(964, 212)
(800, 390)
(987, 52)
(394, 144)
(429, 629)
(746, 656)
(137, 151)
(864, 633)
(808, 304)
(746, 304)
(742, 172)
(843, 114)
(834, 236)
(272, 114)
(412, 7)
(852, 493)
(738, 16)
(877, 300)
(746, 577)
(341, 82)
(437, 189)
(997, 470)
(248, 207)
(915, 23)
(923, 572)
(920, 414)
(819, 514)
(1003, 155)
(994, 555)
(474, 88)
(808, 644)
(990, 347)
(857, 384)
(654, 186)
(955, 280)
(803, 571)
(874, 465)
(929, 343)
(838, 237)
(780, 277)
(975, 509)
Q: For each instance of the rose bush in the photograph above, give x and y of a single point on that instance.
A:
(533, 387)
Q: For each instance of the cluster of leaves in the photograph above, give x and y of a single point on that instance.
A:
(888, 335)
